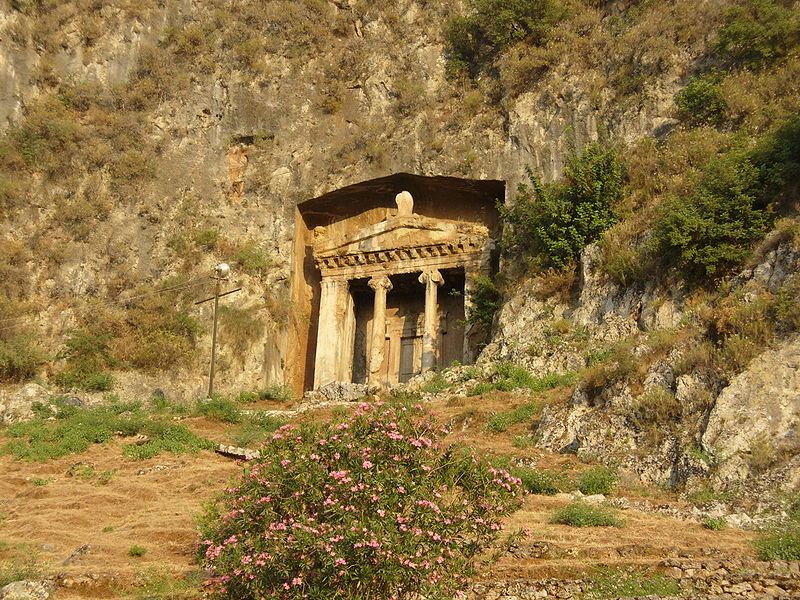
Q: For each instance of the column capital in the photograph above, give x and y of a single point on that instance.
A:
(433, 276)
(334, 282)
(380, 282)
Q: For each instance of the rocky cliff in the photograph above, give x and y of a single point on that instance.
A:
(146, 141)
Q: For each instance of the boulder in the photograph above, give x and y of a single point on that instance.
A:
(27, 590)
(17, 404)
(757, 415)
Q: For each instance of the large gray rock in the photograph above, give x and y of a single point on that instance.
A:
(759, 412)
(338, 391)
(27, 590)
(16, 405)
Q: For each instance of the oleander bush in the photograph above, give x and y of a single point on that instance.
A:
(370, 506)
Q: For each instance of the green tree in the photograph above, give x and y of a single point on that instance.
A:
(552, 223)
(758, 32)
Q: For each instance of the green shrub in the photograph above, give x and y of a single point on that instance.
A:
(255, 429)
(87, 357)
(597, 480)
(20, 359)
(75, 429)
(486, 301)
(219, 409)
(713, 229)
(707, 495)
(207, 238)
(166, 437)
(552, 223)
(137, 551)
(370, 506)
(758, 32)
(499, 422)
(536, 481)
(436, 385)
(657, 408)
(701, 103)
(715, 523)
(780, 543)
(474, 40)
(20, 569)
(253, 259)
(581, 514)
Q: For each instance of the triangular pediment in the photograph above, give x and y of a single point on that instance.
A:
(397, 232)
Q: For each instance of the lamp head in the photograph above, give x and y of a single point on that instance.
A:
(222, 270)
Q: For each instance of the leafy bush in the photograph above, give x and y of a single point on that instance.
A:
(657, 408)
(499, 422)
(370, 506)
(536, 481)
(20, 359)
(780, 543)
(552, 223)
(713, 229)
(436, 385)
(166, 437)
(207, 238)
(597, 480)
(715, 523)
(701, 103)
(137, 551)
(219, 409)
(758, 32)
(87, 356)
(581, 514)
(486, 301)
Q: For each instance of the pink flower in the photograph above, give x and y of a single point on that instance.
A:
(367, 464)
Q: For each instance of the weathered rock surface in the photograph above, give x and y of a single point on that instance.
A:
(338, 391)
(27, 590)
(16, 404)
(758, 413)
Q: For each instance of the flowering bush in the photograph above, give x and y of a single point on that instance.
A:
(368, 507)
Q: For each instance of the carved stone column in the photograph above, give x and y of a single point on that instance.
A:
(381, 285)
(430, 336)
(333, 306)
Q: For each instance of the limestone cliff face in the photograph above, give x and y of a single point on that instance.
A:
(652, 417)
(236, 148)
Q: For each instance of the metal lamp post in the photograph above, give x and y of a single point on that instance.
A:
(221, 273)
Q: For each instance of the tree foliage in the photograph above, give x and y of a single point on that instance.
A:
(490, 26)
(758, 32)
(552, 223)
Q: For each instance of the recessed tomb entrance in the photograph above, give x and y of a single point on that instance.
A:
(390, 285)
